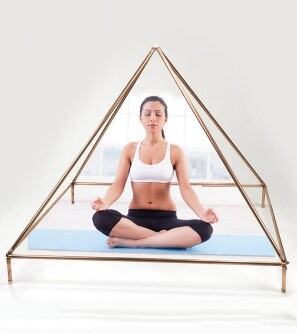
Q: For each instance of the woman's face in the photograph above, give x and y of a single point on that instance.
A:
(153, 116)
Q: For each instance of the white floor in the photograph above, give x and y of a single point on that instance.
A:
(88, 297)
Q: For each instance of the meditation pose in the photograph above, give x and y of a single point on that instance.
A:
(151, 220)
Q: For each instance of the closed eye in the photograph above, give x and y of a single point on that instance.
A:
(156, 114)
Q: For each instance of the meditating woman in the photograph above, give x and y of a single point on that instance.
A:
(151, 220)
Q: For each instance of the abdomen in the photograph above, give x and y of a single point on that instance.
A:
(151, 195)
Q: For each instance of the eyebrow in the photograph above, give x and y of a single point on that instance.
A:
(150, 110)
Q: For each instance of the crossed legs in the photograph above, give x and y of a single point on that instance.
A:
(128, 234)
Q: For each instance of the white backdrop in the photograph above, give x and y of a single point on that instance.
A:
(63, 63)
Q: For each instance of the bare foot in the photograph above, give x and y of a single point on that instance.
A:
(121, 242)
(108, 239)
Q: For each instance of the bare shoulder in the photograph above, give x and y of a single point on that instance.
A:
(129, 149)
(176, 153)
(130, 145)
(176, 149)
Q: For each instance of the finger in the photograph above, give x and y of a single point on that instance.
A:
(214, 214)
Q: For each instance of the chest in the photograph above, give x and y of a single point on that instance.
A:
(151, 156)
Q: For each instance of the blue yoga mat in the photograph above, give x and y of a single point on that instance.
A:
(94, 241)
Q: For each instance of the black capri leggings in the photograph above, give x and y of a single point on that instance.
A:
(156, 220)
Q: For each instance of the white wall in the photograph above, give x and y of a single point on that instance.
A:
(63, 63)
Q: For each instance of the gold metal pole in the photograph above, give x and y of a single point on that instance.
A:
(211, 117)
(40, 217)
(114, 257)
(31, 226)
(68, 170)
(106, 126)
(72, 192)
(275, 225)
(263, 196)
(203, 184)
(219, 152)
(9, 273)
(284, 276)
(150, 259)
(121, 100)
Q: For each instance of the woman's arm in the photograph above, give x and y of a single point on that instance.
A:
(186, 190)
(113, 193)
(190, 197)
(117, 187)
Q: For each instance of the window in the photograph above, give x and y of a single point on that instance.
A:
(182, 129)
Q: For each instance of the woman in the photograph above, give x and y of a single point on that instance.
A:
(151, 220)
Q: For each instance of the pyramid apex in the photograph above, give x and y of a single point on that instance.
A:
(156, 46)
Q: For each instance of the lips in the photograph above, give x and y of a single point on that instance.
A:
(152, 126)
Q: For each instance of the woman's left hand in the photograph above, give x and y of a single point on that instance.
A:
(209, 216)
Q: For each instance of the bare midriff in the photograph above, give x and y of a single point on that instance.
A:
(151, 195)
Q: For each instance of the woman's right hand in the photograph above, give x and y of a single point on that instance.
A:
(99, 204)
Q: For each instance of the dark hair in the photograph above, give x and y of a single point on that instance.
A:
(155, 98)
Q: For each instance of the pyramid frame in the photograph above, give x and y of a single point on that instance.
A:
(185, 89)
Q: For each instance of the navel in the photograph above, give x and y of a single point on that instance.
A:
(150, 202)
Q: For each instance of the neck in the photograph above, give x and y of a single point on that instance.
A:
(153, 139)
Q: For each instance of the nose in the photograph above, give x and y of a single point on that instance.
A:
(153, 116)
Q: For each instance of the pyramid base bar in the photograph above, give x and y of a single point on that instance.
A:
(145, 259)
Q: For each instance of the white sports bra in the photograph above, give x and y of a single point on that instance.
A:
(159, 172)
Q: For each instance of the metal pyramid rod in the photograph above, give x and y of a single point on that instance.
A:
(193, 94)
(123, 98)
(219, 152)
(46, 209)
(41, 216)
(107, 123)
(116, 104)
(275, 223)
(265, 192)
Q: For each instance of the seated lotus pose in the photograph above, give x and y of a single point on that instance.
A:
(151, 220)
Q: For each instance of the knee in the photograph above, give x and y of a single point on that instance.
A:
(105, 220)
(204, 230)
